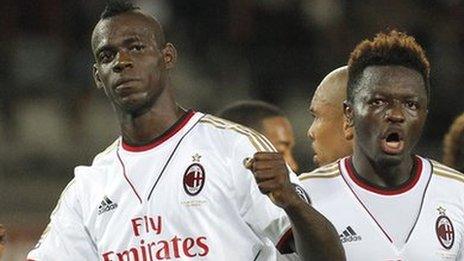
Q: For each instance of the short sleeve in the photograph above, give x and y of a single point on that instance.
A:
(264, 217)
(65, 237)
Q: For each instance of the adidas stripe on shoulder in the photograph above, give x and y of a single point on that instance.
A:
(447, 172)
(328, 171)
(258, 140)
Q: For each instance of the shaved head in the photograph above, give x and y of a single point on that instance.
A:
(331, 137)
(151, 24)
(332, 89)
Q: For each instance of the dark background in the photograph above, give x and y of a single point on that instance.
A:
(52, 118)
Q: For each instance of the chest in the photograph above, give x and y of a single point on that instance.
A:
(436, 231)
(164, 205)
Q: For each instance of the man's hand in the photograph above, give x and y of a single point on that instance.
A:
(271, 174)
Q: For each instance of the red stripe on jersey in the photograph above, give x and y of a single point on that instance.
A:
(125, 176)
(412, 181)
(284, 243)
(163, 137)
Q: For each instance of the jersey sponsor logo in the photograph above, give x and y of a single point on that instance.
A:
(302, 193)
(106, 205)
(163, 247)
(194, 179)
(444, 229)
(348, 235)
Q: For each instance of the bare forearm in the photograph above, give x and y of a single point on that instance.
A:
(315, 238)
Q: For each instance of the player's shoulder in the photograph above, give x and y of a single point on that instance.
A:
(99, 165)
(328, 171)
(233, 133)
(447, 173)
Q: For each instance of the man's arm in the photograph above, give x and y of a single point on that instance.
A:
(65, 237)
(314, 236)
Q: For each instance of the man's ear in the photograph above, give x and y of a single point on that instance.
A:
(347, 130)
(348, 114)
(96, 77)
(169, 55)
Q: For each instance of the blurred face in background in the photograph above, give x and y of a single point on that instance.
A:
(2, 240)
(330, 135)
(280, 132)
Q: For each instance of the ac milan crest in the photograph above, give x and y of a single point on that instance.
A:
(194, 179)
(444, 229)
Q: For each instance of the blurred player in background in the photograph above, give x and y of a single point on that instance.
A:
(268, 120)
(386, 202)
(331, 136)
(175, 185)
(2, 240)
(453, 145)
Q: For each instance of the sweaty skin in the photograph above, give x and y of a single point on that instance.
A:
(331, 138)
(388, 114)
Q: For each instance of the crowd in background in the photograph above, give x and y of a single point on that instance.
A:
(53, 118)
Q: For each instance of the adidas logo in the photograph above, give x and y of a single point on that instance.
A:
(106, 205)
(349, 235)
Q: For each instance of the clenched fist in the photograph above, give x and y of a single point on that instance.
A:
(271, 175)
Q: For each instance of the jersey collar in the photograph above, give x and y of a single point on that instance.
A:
(175, 128)
(409, 184)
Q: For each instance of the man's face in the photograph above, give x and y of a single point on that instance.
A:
(329, 142)
(129, 66)
(280, 132)
(388, 113)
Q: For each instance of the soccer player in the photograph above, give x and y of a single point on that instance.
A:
(386, 202)
(267, 119)
(174, 186)
(331, 137)
(453, 152)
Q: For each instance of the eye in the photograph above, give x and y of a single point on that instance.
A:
(412, 105)
(105, 57)
(377, 102)
(137, 47)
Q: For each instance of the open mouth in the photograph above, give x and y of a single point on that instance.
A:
(393, 143)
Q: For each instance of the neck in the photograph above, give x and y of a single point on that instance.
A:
(142, 128)
(387, 175)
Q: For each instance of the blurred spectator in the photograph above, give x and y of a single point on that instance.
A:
(453, 145)
(2, 240)
(268, 120)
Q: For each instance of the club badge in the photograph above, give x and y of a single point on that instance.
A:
(444, 229)
(194, 177)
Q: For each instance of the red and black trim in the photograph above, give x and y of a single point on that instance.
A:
(176, 127)
(363, 183)
(284, 243)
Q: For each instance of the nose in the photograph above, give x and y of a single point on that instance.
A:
(395, 113)
(310, 132)
(123, 61)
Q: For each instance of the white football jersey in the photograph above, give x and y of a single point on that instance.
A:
(432, 210)
(185, 196)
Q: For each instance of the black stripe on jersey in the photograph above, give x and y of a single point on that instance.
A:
(257, 255)
(170, 157)
(351, 231)
(421, 204)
